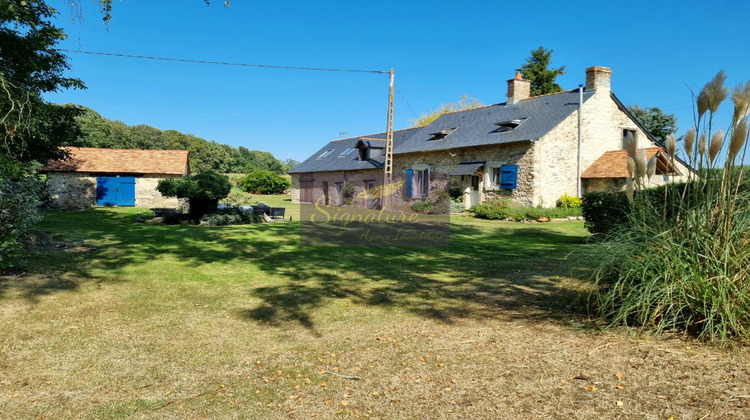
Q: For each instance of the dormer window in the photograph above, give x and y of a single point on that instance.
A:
(347, 152)
(326, 153)
(508, 125)
(442, 134)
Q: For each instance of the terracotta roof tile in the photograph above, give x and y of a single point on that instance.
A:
(614, 164)
(131, 161)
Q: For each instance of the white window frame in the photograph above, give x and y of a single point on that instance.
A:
(490, 168)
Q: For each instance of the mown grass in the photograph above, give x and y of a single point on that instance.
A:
(125, 320)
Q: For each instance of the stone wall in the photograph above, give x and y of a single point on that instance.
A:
(356, 178)
(147, 196)
(556, 155)
(442, 162)
(71, 190)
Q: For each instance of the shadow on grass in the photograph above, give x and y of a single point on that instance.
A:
(490, 269)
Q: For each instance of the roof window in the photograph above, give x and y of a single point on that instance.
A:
(442, 134)
(508, 125)
(347, 152)
(326, 153)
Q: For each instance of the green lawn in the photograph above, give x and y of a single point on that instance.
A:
(115, 319)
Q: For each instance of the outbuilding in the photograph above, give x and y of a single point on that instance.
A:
(114, 177)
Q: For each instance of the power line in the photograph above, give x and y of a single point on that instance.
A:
(184, 60)
(407, 103)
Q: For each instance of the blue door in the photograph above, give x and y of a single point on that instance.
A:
(115, 191)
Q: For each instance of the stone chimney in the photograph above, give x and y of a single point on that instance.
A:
(518, 88)
(599, 78)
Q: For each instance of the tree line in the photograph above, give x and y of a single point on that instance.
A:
(99, 131)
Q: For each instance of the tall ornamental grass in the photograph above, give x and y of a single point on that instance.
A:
(682, 263)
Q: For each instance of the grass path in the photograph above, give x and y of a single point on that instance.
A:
(144, 321)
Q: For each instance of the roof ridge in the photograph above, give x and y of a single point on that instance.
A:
(373, 134)
(111, 148)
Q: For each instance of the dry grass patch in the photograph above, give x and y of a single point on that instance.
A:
(239, 322)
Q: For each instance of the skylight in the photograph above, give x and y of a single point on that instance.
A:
(326, 153)
(442, 134)
(508, 125)
(347, 152)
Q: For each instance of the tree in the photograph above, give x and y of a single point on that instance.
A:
(655, 121)
(463, 104)
(264, 182)
(30, 65)
(106, 8)
(290, 164)
(203, 191)
(536, 69)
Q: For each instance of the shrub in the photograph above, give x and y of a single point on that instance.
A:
(238, 197)
(680, 262)
(264, 182)
(502, 209)
(203, 191)
(497, 209)
(230, 216)
(18, 212)
(423, 207)
(457, 207)
(605, 212)
(567, 202)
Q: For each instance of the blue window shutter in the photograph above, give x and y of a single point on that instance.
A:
(427, 181)
(409, 173)
(509, 177)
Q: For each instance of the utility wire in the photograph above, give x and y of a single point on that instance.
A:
(184, 60)
(407, 103)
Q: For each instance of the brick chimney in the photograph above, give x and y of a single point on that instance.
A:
(518, 88)
(599, 78)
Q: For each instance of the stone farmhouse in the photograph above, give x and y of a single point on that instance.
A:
(531, 150)
(114, 177)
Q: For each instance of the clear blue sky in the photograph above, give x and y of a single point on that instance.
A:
(440, 50)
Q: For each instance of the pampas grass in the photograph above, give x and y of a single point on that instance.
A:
(682, 264)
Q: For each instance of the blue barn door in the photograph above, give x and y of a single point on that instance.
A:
(115, 191)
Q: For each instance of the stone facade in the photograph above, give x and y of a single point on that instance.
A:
(326, 183)
(73, 190)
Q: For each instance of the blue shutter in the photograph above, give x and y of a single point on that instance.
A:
(409, 173)
(509, 177)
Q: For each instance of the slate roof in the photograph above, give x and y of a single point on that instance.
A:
(614, 164)
(122, 161)
(335, 162)
(478, 127)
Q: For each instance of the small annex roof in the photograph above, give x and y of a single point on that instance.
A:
(614, 164)
(337, 160)
(526, 120)
(466, 168)
(122, 161)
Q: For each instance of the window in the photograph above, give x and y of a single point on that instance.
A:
(508, 125)
(417, 183)
(627, 133)
(347, 152)
(442, 134)
(494, 176)
(326, 153)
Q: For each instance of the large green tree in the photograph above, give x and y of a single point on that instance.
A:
(30, 66)
(655, 121)
(536, 69)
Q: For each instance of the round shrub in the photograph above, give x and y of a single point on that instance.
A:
(203, 191)
(422, 207)
(264, 182)
(18, 212)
